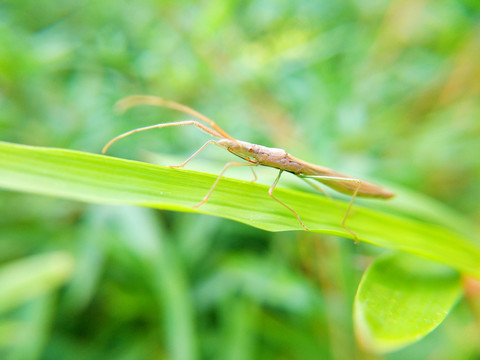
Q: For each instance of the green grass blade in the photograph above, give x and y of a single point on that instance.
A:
(26, 279)
(401, 298)
(102, 179)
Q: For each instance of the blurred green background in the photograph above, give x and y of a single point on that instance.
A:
(387, 90)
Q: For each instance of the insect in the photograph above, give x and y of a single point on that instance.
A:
(256, 155)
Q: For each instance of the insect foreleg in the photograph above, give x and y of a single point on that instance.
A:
(354, 194)
(233, 163)
(255, 178)
(194, 154)
(270, 192)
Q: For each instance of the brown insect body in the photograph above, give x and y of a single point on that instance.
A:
(257, 155)
(280, 159)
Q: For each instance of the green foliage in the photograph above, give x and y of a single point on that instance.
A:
(30, 278)
(377, 89)
(103, 180)
(401, 299)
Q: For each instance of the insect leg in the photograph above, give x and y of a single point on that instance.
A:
(233, 163)
(318, 187)
(358, 183)
(255, 178)
(270, 192)
(194, 154)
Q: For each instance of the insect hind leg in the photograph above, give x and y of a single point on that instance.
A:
(358, 184)
(318, 187)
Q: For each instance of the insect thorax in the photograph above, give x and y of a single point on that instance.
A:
(255, 153)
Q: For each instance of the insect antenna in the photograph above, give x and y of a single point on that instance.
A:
(162, 125)
(135, 100)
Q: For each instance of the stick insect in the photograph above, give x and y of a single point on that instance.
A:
(256, 155)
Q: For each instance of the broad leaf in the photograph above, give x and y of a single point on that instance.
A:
(401, 298)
